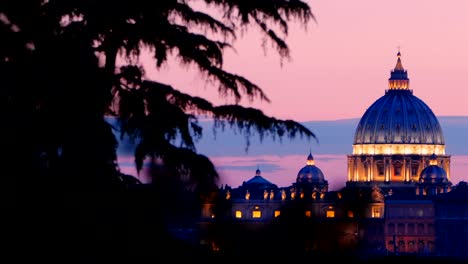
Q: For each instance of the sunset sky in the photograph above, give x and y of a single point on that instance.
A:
(340, 64)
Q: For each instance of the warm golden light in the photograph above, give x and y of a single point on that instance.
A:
(330, 214)
(256, 214)
(402, 149)
(214, 247)
(308, 213)
(277, 213)
(398, 84)
(376, 212)
(238, 214)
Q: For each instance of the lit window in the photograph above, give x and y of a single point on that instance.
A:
(256, 214)
(238, 214)
(330, 213)
(277, 213)
(350, 214)
(376, 212)
(308, 213)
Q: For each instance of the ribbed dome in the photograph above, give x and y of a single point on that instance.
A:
(310, 173)
(433, 173)
(399, 117)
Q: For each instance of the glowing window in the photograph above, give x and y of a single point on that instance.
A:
(277, 213)
(308, 213)
(376, 212)
(238, 214)
(330, 213)
(350, 214)
(256, 214)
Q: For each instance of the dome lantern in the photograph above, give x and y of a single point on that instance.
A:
(258, 172)
(433, 160)
(310, 160)
(399, 76)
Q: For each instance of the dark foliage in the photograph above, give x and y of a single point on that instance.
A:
(60, 79)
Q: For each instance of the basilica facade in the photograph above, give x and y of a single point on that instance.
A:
(397, 167)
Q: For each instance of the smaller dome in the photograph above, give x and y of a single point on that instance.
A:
(258, 182)
(434, 174)
(310, 173)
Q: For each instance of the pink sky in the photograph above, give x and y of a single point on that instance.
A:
(341, 63)
(333, 167)
(235, 170)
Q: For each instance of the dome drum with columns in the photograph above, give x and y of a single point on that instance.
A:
(396, 138)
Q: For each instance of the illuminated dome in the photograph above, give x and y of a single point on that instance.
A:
(433, 173)
(399, 122)
(310, 173)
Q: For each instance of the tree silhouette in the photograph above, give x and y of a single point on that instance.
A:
(60, 80)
